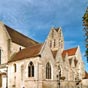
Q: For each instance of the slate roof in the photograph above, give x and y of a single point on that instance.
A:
(19, 38)
(27, 53)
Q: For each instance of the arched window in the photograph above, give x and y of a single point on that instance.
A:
(48, 71)
(15, 68)
(50, 44)
(54, 42)
(31, 70)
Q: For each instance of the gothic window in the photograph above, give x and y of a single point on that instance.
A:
(52, 33)
(15, 68)
(22, 71)
(31, 69)
(50, 44)
(0, 56)
(54, 42)
(48, 71)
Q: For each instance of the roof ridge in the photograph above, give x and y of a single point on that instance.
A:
(19, 32)
(20, 38)
(70, 51)
(27, 48)
(71, 48)
(34, 45)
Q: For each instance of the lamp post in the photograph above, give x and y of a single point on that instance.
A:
(58, 77)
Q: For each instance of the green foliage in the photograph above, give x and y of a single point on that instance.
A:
(87, 52)
(85, 17)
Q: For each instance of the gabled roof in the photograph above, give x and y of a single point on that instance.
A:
(70, 52)
(19, 38)
(27, 53)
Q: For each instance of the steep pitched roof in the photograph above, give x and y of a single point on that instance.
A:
(70, 52)
(27, 53)
(19, 38)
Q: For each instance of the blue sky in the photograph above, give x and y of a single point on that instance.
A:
(34, 18)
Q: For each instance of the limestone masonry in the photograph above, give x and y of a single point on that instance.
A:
(25, 63)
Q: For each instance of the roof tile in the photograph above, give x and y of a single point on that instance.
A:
(27, 53)
(70, 52)
(20, 38)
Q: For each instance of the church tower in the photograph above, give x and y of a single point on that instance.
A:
(55, 39)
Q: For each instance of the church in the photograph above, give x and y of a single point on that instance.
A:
(26, 63)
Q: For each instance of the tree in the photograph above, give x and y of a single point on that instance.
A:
(85, 24)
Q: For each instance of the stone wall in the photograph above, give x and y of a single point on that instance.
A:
(14, 48)
(3, 44)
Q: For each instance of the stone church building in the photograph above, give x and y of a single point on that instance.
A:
(25, 63)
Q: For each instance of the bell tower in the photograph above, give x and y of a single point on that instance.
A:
(55, 39)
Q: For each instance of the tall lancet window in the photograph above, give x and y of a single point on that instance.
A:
(31, 69)
(15, 68)
(48, 71)
(54, 42)
(50, 44)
